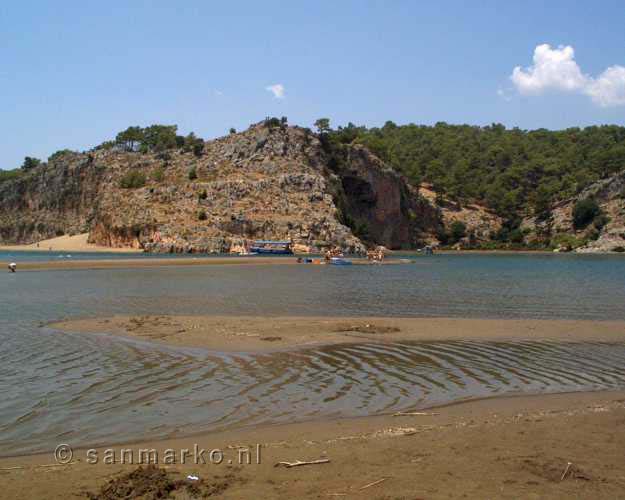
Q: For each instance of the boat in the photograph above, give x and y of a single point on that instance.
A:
(340, 261)
(271, 247)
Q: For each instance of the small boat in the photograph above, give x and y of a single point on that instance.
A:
(270, 247)
(340, 261)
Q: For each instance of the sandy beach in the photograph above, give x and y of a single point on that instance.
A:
(548, 446)
(66, 243)
(261, 334)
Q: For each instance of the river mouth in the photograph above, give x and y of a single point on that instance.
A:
(111, 390)
(99, 389)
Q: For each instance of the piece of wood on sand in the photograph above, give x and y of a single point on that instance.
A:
(566, 471)
(414, 414)
(299, 463)
(374, 483)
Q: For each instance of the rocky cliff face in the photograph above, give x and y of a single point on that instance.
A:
(50, 201)
(610, 196)
(269, 183)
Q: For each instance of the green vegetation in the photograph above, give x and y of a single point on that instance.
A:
(457, 231)
(8, 175)
(155, 138)
(192, 174)
(323, 126)
(272, 122)
(194, 144)
(567, 241)
(158, 175)
(58, 155)
(584, 212)
(202, 215)
(203, 195)
(30, 163)
(514, 172)
(132, 180)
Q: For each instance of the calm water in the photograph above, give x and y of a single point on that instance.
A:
(38, 256)
(89, 389)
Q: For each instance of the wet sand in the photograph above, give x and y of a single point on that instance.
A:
(178, 261)
(543, 446)
(260, 334)
(514, 447)
(150, 262)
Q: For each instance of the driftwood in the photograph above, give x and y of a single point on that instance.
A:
(414, 414)
(298, 463)
(374, 483)
(566, 471)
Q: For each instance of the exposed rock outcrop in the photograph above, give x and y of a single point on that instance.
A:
(609, 236)
(269, 183)
(480, 222)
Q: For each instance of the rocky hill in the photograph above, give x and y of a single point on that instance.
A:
(269, 182)
(605, 233)
(479, 222)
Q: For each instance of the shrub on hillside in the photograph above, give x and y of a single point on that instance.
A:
(584, 213)
(132, 180)
(272, 122)
(158, 175)
(457, 230)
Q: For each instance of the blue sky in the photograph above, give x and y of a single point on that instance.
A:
(74, 73)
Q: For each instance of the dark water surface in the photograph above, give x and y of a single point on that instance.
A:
(88, 389)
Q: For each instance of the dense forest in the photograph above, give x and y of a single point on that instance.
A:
(514, 172)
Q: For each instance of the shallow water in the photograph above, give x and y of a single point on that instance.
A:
(88, 389)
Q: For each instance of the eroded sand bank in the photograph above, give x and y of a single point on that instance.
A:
(249, 333)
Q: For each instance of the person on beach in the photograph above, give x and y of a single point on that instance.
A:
(12, 267)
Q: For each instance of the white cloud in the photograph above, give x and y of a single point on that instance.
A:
(277, 90)
(552, 69)
(556, 69)
(609, 88)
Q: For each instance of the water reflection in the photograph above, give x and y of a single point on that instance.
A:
(97, 389)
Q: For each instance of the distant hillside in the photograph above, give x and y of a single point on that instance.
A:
(591, 221)
(514, 173)
(353, 187)
(153, 189)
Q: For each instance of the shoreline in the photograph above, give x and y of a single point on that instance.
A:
(79, 243)
(504, 447)
(203, 260)
(267, 333)
(91, 264)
